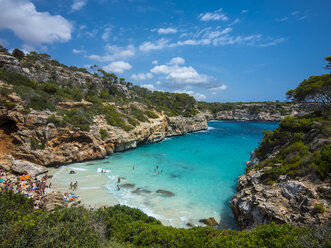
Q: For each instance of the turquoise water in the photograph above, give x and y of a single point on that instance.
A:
(200, 168)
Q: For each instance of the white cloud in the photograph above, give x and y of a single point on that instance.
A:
(158, 83)
(213, 93)
(114, 52)
(209, 36)
(106, 33)
(118, 67)
(148, 46)
(196, 95)
(272, 43)
(33, 27)
(244, 11)
(149, 86)
(222, 87)
(282, 19)
(215, 34)
(142, 76)
(215, 16)
(167, 31)
(177, 76)
(234, 22)
(295, 12)
(177, 61)
(78, 4)
(155, 62)
(78, 51)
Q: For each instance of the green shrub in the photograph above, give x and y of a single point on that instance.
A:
(151, 114)
(35, 145)
(56, 121)
(8, 105)
(4, 91)
(40, 102)
(138, 114)
(133, 121)
(23, 226)
(17, 79)
(78, 117)
(103, 133)
(323, 162)
(319, 208)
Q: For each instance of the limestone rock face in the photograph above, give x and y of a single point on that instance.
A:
(286, 201)
(40, 142)
(25, 167)
(259, 112)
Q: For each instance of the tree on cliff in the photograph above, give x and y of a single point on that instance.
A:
(315, 88)
(17, 53)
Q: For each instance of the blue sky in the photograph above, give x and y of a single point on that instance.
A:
(214, 50)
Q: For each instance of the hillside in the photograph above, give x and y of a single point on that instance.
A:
(53, 114)
(254, 111)
(288, 177)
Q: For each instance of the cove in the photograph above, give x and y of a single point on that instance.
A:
(196, 175)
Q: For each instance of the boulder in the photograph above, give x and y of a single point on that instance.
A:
(209, 222)
(52, 200)
(291, 188)
(72, 172)
(138, 191)
(127, 185)
(25, 167)
(165, 193)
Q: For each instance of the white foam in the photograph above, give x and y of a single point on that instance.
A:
(112, 177)
(211, 128)
(92, 187)
(78, 169)
(99, 170)
(165, 139)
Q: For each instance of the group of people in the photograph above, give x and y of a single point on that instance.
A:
(73, 186)
(157, 171)
(29, 186)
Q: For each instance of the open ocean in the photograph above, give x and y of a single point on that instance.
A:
(201, 170)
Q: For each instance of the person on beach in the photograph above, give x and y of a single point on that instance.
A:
(119, 180)
(75, 185)
(70, 185)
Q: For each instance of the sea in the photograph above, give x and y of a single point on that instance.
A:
(179, 180)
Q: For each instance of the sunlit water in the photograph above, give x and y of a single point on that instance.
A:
(200, 169)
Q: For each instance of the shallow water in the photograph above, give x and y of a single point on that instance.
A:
(200, 169)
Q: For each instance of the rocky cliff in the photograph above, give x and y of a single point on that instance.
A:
(288, 177)
(34, 138)
(267, 111)
(52, 114)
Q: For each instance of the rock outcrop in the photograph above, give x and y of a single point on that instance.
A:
(45, 144)
(291, 201)
(260, 111)
(25, 167)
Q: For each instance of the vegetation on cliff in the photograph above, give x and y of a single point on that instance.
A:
(252, 107)
(300, 145)
(104, 93)
(120, 226)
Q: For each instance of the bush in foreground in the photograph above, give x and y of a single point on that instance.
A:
(120, 226)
